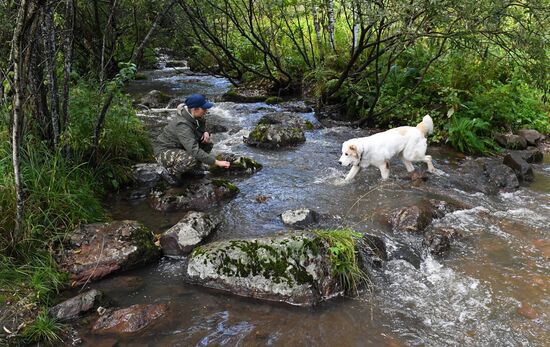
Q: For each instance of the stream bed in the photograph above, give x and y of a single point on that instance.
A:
(492, 289)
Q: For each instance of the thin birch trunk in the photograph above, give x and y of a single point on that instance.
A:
(68, 60)
(317, 27)
(16, 56)
(48, 36)
(330, 13)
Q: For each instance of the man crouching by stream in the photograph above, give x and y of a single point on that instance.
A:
(184, 143)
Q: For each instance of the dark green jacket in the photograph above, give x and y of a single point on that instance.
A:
(185, 132)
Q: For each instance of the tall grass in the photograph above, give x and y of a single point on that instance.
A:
(343, 258)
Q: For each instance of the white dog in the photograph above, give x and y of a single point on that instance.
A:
(377, 150)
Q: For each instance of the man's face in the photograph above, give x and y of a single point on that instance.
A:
(198, 112)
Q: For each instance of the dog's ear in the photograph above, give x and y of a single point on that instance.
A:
(352, 149)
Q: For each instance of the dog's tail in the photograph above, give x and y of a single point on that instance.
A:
(426, 126)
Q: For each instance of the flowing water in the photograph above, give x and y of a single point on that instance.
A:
(491, 290)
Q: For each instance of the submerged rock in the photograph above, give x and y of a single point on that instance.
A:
(412, 218)
(198, 196)
(274, 136)
(239, 165)
(129, 320)
(300, 218)
(292, 268)
(98, 250)
(74, 307)
(189, 232)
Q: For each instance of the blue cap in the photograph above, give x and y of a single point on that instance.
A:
(198, 100)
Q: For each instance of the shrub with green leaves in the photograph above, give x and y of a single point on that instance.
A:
(123, 141)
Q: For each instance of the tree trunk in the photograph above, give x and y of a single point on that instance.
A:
(330, 13)
(48, 36)
(138, 53)
(317, 27)
(16, 56)
(68, 60)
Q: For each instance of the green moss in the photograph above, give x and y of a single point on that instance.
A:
(278, 264)
(273, 100)
(225, 184)
(259, 134)
(308, 125)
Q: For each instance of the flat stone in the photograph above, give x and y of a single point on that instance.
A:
(74, 307)
(101, 249)
(129, 320)
(300, 217)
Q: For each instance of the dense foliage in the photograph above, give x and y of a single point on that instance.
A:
(476, 66)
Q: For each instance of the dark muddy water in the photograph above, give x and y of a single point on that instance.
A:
(472, 297)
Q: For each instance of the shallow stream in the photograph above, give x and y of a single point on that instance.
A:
(493, 289)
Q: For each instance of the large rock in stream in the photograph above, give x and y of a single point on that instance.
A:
(197, 197)
(294, 268)
(97, 250)
(272, 136)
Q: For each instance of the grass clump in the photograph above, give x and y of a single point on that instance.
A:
(43, 329)
(343, 258)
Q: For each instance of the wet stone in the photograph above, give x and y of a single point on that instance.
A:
(198, 197)
(77, 305)
(129, 320)
(189, 232)
(527, 311)
(523, 170)
(239, 165)
(300, 218)
(412, 219)
(155, 99)
(292, 268)
(273, 136)
(101, 249)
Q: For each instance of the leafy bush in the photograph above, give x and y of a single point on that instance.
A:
(470, 135)
(123, 141)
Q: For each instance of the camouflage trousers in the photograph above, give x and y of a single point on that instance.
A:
(178, 161)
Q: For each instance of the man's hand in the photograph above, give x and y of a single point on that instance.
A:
(222, 163)
(205, 137)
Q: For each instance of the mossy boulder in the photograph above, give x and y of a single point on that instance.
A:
(244, 95)
(272, 100)
(198, 197)
(291, 268)
(155, 99)
(97, 250)
(239, 165)
(274, 136)
(288, 119)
